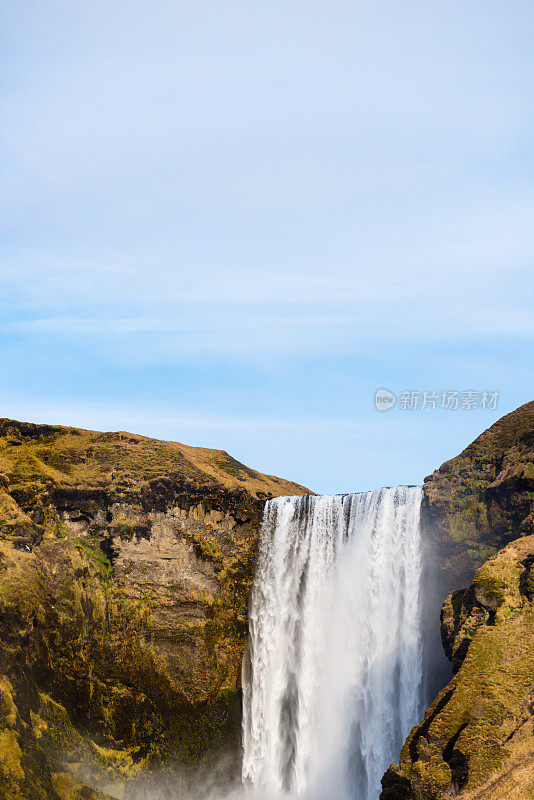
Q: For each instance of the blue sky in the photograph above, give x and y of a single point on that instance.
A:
(228, 224)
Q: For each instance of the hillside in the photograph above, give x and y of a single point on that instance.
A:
(125, 568)
(476, 740)
(483, 498)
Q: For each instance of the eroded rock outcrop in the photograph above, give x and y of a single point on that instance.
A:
(476, 740)
(482, 499)
(125, 568)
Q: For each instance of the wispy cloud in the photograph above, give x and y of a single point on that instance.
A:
(243, 219)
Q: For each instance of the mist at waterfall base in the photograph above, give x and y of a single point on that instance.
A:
(343, 652)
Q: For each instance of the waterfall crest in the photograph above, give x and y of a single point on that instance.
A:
(332, 675)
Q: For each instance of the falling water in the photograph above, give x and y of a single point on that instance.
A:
(332, 676)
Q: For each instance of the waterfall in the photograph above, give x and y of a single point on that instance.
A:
(332, 674)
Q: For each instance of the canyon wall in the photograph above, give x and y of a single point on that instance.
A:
(477, 502)
(125, 569)
(476, 740)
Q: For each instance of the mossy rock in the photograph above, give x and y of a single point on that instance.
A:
(479, 729)
(125, 569)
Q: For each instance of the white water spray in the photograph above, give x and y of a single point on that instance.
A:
(332, 676)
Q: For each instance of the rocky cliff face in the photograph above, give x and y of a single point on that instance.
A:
(476, 740)
(125, 568)
(484, 498)
(477, 737)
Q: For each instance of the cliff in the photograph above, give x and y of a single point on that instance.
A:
(476, 740)
(125, 568)
(483, 498)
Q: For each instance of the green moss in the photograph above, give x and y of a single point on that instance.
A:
(456, 600)
(122, 529)
(69, 789)
(484, 704)
(90, 628)
(205, 548)
(465, 514)
(94, 553)
(492, 587)
(210, 729)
